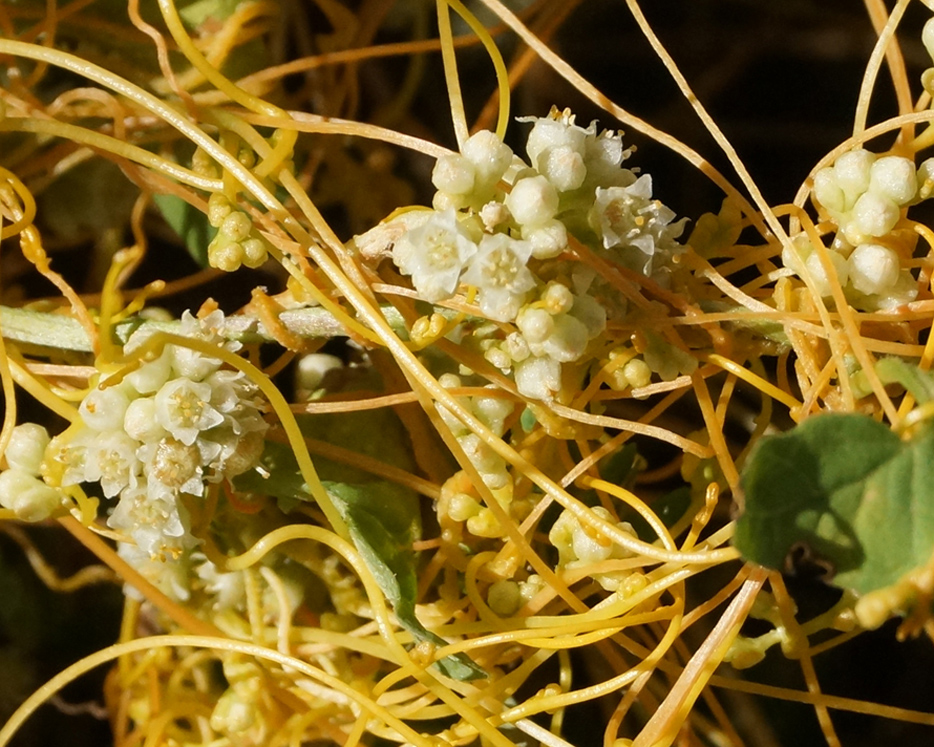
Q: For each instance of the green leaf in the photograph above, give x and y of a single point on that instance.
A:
(713, 234)
(282, 480)
(621, 467)
(847, 489)
(201, 11)
(898, 371)
(383, 529)
(189, 223)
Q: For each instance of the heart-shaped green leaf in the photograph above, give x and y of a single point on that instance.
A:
(846, 488)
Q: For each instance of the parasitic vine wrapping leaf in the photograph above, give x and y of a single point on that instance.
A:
(384, 521)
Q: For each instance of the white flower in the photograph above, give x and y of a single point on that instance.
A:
(69, 451)
(434, 255)
(499, 271)
(153, 519)
(169, 576)
(183, 408)
(190, 363)
(236, 398)
(603, 155)
(110, 459)
(174, 465)
(228, 589)
(629, 217)
(549, 134)
(571, 157)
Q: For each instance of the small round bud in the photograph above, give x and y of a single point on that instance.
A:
(569, 340)
(489, 155)
(26, 449)
(873, 215)
(504, 598)
(548, 239)
(926, 178)
(237, 226)
(104, 409)
(461, 507)
(224, 254)
(927, 37)
(27, 496)
(453, 174)
(551, 134)
(637, 373)
(532, 201)
(140, 421)
(219, 207)
(873, 268)
(852, 172)
(254, 253)
(894, 177)
(564, 167)
(827, 191)
(535, 324)
(819, 276)
(538, 378)
(557, 298)
(311, 370)
(150, 376)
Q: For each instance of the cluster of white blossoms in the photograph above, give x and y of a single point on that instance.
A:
(865, 195)
(580, 547)
(501, 226)
(162, 432)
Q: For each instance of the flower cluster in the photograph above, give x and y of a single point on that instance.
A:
(865, 196)
(579, 546)
(160, 433)
(237, 242)
(501, 226)
(460, 508)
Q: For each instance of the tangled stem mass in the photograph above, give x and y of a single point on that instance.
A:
(445, 445)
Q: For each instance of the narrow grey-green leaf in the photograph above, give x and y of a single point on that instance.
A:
(846, 488)
(190, 224)
(897, 370)
(383, 525)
